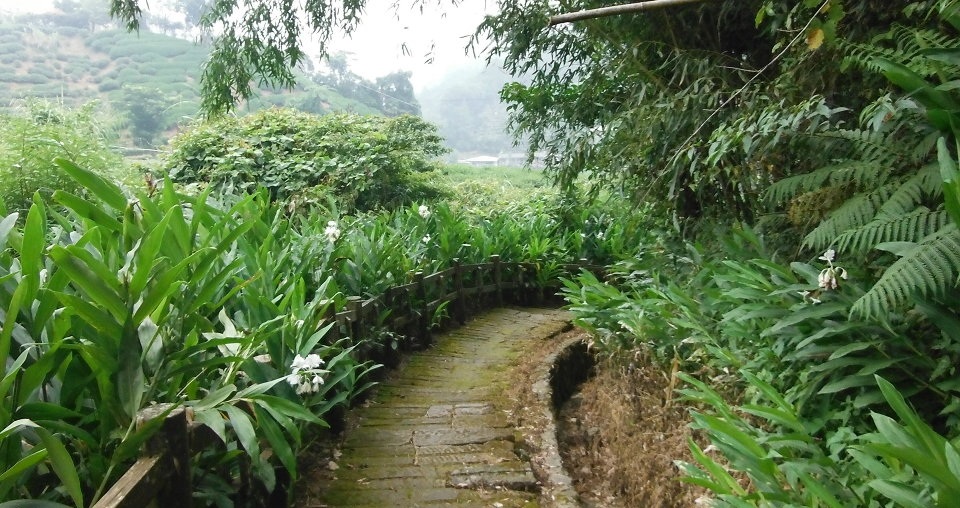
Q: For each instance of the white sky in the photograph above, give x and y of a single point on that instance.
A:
(375, 49)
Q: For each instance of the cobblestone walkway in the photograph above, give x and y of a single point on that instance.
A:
(438, 432)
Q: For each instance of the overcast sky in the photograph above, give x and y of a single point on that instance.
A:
(375, 48)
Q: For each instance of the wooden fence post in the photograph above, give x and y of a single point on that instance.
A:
(423, 324)
(461, 309)
(172, 442)
(355, 306)
(498, 277)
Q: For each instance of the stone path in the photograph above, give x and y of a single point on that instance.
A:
(438, 432)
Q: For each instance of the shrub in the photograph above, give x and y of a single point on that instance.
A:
(363, 160)
(31, 138)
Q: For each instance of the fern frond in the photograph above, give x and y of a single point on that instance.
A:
(887, 228)
(930, 269)
(860, 173)
(854, 213)
(905, 45)
(923, 185)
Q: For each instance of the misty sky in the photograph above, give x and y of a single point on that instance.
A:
(376, 47)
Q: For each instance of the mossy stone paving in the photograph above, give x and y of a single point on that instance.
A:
(438, 432)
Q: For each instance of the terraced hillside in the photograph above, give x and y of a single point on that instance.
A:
(122, 70)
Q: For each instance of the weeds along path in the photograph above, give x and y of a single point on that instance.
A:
(439, 430)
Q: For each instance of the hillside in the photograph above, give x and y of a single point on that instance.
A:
(147, 74)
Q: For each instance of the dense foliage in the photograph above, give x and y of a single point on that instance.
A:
(364, 161)
(112, 300)
(804, 154)
(40, 131)
(809, 335)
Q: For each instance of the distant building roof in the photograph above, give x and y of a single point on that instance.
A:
(479, 159)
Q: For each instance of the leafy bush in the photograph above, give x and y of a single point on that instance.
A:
(362, 160)
(31, 138)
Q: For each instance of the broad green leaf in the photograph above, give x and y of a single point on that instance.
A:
(24, 464)
(6, 226)
(951, 180)
(904, 495)
(16, 425)
(97, 289)
(278, 440)
(94, 316)
(97, 185)
(86, 209)
(62, 465)
(18, 300)
(258, 389)
(32, 503)
(214, 420)
(214, 398)
(916, 86)
(13, 370)
(34, 239)
(289, 408)
(820, 493)
(243, 428)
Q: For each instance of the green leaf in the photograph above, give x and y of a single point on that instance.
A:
(15, 426)
(243, 428)
(916, 86)
(289, 408)
(91, 282)
(820, 493)
(903, 495)
(951, 180)
(31, 503)
(24, 464)
(94, 316)
(18, 300)
(97, 185)
(85, 209)
(62, 465)
(6, 226)
(278, 440)
(34, 238)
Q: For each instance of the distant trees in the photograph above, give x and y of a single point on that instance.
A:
(146, 111)
(391, 94)
(466, 106)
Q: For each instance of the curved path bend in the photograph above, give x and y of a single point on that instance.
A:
(440, 430)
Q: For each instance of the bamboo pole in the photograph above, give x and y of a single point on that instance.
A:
(615, 10)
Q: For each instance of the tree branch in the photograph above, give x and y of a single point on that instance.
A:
(614, 10)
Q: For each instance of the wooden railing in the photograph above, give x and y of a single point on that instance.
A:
(162, 473)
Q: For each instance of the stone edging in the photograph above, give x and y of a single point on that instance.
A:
(556, 378)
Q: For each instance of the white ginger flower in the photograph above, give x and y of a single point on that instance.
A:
(332, 231)
(306, 374)
(424, 211)
(828, 276)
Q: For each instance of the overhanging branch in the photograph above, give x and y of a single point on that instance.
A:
(614, 10)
